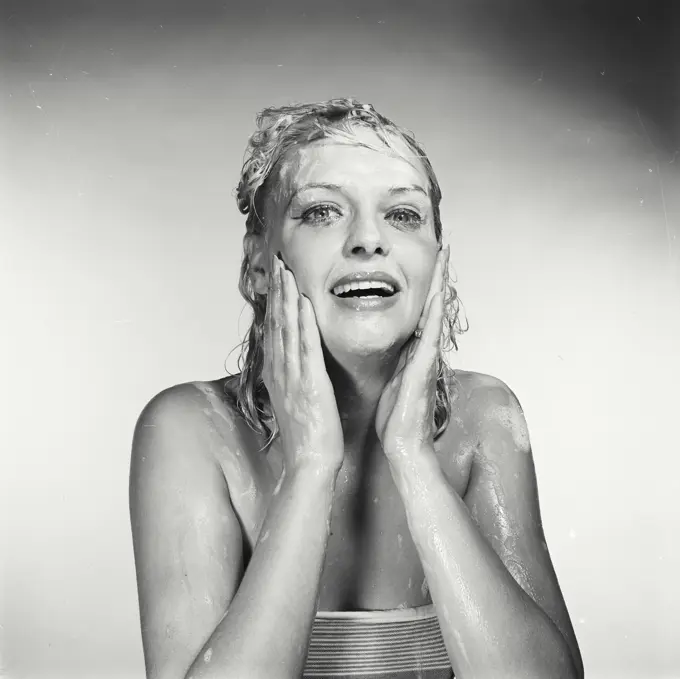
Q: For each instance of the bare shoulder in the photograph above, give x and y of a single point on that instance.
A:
(191, 436)
(487, 403)
(502, 495)
(475, 389)
(481, 407)
(176, 445)
(189, 397)
(182, 517)
(180, 441)
(198, 412)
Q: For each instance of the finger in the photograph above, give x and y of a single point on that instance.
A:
(427, 349)
(436, 284)
(267, 328)
(430, 340)
(311, 352)
(406, 355)
(290, 327)
(277, 356)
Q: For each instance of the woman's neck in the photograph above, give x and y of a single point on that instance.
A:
(358, 383)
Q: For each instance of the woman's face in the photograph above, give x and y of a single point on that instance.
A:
(340, 211)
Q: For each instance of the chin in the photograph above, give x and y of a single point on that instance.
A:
(364, 342)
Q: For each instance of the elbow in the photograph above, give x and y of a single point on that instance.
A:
(560, 657)
(577, 671)
(547, 655)
(570, 662)
(570, 669)
(562, 664)
(232, 671)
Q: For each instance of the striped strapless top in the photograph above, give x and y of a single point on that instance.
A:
(402, 643)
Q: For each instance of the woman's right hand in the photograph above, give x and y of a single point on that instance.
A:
(294, 373)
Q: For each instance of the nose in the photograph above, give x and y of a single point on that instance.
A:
(366, 237)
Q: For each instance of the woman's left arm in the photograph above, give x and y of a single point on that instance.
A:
(490, 575)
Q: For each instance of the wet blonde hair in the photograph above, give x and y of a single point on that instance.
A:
(280, 129)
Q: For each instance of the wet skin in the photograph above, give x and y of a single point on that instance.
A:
(196, 527)
(371, 561)
(464, 508)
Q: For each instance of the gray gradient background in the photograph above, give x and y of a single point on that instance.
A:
(555, 139)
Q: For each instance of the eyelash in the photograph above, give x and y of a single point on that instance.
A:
(416, 222)
(417, 219)
(306, 214)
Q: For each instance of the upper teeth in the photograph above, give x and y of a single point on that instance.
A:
(362, 285)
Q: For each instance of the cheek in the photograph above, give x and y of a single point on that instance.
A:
(421, 272)
(310, 257)
(306, 271)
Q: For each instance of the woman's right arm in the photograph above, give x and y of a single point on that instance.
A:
(201, 617)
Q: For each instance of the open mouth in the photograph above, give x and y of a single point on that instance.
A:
(364, 289)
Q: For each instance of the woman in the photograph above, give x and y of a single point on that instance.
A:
(348, 505)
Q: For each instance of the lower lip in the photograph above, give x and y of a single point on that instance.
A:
(367, 303)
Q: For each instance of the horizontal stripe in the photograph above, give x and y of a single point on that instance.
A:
(381, 674)
(393, 643)
(360, 624)
(444, 673)
(420, 645)
(380, 635)
(381, 615)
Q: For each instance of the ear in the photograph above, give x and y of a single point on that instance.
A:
(256, 250)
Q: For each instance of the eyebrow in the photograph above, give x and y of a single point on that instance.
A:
(393, 190)
(307, 187)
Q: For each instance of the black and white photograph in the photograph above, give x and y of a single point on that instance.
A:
(341, 339)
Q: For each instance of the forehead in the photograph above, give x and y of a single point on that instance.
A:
(348, 164)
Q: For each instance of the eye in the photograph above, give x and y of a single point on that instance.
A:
(405, 217)
(319, 214)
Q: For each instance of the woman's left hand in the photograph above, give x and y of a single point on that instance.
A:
(405, 417)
